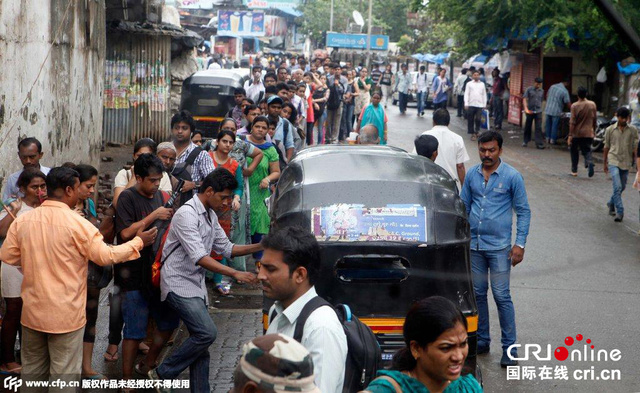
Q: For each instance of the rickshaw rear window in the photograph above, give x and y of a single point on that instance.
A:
(372, 268)
(208, 102)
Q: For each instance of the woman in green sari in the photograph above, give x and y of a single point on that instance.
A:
(435, 332)
(374, 114)
(266, 173)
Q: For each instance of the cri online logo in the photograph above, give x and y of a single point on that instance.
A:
(561, 353)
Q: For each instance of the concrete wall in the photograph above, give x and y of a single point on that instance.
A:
(64, 107)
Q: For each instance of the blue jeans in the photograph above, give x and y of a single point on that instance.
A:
(551, 127)
(346, 123)
(136, 309)
(403, 98)
(321, 126)
(420, 99)
(194, 351)
(496, 266)
(619, 177)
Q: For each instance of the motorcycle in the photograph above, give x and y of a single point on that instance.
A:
(602, 123)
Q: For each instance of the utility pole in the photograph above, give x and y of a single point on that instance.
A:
(331, 18)
(369, 36)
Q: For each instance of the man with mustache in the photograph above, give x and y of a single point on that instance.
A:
(30, 154)
(491, 192)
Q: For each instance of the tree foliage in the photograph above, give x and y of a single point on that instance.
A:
(316, 16)
(547, 23)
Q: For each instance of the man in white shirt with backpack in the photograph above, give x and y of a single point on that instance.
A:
(288, 271)
(421, 85)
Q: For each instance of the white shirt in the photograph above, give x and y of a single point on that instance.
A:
(123, 177)
(457, 88)
(254, 89)
(475, 94)
(215, 66)
(323, 336)
(421, 83)
(451, 150)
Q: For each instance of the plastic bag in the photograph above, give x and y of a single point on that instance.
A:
(602, 75)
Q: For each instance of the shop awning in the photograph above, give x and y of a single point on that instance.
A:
(290, 11)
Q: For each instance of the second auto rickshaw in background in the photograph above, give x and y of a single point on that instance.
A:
(391, 228)
(208, 95)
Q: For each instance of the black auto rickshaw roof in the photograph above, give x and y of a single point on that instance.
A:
(220, 77)
(372, 176)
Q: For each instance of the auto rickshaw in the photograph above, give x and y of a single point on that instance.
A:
(391, 228)
(208, 95)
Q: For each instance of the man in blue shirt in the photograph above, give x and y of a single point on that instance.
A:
(491, 192)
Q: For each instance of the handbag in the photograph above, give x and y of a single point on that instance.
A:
(99, 276)
(107, 226)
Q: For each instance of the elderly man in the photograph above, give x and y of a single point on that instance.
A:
(274, 360)
(369, 135)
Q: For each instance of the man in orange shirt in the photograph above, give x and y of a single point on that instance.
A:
(53, 245)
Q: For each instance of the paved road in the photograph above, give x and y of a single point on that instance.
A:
(581, 270)
(580, 274)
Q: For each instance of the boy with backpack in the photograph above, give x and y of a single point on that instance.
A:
(140, 208)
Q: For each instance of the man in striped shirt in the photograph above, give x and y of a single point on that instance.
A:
(194, 233)
(557, 98)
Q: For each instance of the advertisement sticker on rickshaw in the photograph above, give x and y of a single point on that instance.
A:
(353, 222)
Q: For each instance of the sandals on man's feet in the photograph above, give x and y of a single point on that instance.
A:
(222, 290)
(111, 357)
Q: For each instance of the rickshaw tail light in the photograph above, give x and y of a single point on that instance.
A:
(384, 325)
(394, 325)
(472, 323)
(208, 118)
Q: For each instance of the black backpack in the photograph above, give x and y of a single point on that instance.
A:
(335, 98)
(282, 155)
(182, 171)
(363, 355)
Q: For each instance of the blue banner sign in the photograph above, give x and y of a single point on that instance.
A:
(357, 41)
(352, 223)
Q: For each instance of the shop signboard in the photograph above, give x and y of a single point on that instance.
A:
(271, 3)
(357, 41)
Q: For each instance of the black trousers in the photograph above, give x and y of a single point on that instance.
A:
(527, 128)
(93, 299)
(498, 112)
(580, 145)
(473, 119)
(460, 105)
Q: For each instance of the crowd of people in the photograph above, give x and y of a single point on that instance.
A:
(189, 211)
